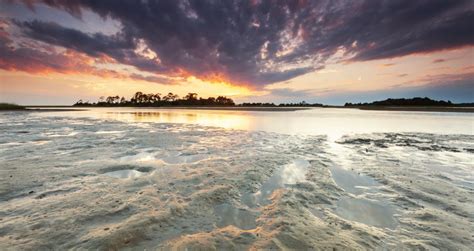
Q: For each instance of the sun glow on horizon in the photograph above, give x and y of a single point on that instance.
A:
(218, 87)
(59, 88)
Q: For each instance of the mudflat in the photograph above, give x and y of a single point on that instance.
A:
(91, 183)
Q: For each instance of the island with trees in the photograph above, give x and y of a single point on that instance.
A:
(413, 104)
(10, 106)
(300, 104)
(140, 99)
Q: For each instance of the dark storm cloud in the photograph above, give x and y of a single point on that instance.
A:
(445, 30)
(34, 57)
(93, 45)
(261, 42)
(39, 61)
(119, 46)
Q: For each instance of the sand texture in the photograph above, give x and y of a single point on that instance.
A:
(104, 184)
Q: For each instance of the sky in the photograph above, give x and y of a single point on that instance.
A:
(328, 51)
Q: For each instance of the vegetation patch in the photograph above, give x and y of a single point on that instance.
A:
(8, 106)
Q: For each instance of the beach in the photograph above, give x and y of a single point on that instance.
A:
(236, 125)
(236, 180)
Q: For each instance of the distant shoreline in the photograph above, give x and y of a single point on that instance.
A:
(263, 108)
(234, 108)
(37, 109)
(416, 108)
(220, 108)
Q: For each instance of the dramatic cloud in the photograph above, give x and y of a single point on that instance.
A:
(400, 28)
(439, 60)
(93, 45)
(43, 59)
(256, 43)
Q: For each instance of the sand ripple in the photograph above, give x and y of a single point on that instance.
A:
(101, 184)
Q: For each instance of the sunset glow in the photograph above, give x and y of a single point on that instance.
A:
(236, 124)
(58, 52)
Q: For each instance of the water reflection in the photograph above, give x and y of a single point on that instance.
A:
(124, 174)
(182, 158)
(169, 117)
(358, 207)
(332, 122)
(289, 174)
(352, 182)
(225, 120)
(370, 212)
(230, 215)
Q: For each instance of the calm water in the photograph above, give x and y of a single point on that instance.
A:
(332, 122)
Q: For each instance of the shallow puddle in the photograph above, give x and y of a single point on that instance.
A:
(286, 175)
(125, 174)
(230, 215)
(182, 158)
(377, 212)
(352, 182)
(374, 213)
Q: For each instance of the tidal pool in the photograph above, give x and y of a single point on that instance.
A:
(374, 213)
(230, 215)
(368, 209)
(124, 174)
(286, 175)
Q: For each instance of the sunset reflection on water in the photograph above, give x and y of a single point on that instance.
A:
(224, 120)
(332, 122)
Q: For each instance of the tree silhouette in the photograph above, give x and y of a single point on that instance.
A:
(417, 101)
(170, 97)
(191, 96)
(155, 99)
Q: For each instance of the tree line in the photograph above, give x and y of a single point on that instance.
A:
(157, 99)
(192, 99)
(300, 104)
(417, 101)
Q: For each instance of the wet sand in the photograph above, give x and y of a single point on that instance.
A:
(76, 182)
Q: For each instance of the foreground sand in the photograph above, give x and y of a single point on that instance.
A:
(103, 184)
